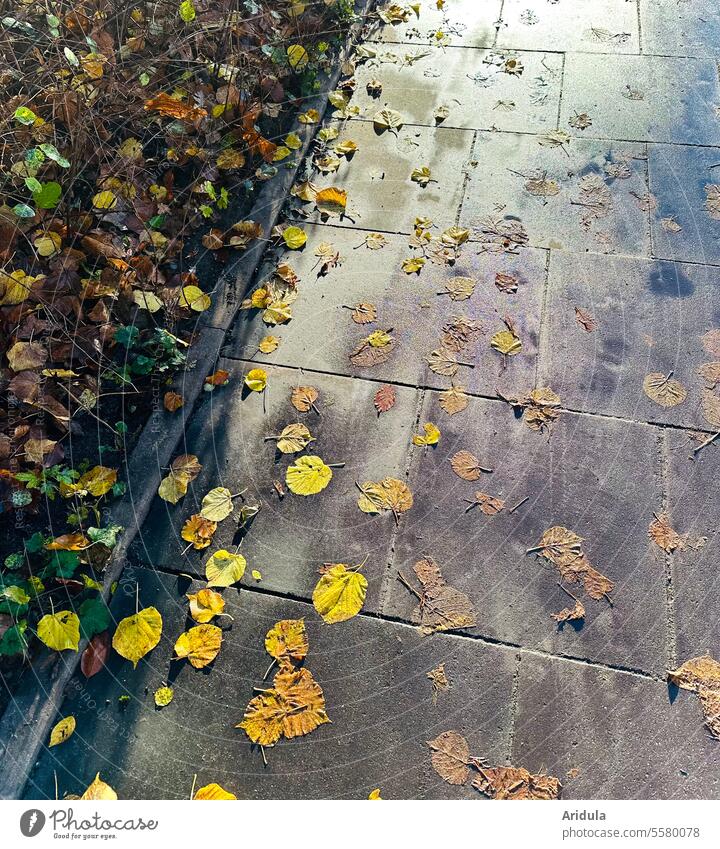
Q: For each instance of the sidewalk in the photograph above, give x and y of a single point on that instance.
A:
(577, 148)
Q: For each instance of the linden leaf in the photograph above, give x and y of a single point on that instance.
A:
(294, 237)
(256, 379)
(224, 569)
(217, 504)
(60, 631)
(193, 297)
(387, 494)
(62, 731)
(450, 757)
(460, 288)
(339, 594)
(204, 604)
(422, 176)
(198, 531)
(364, 313)
(268, 344)
(431, 437)
(308, 476)
(287, 641)
(663, 390)
(99, 791)
(387, 119)
(467, 466)
(331, 201)
(277, 312)
(663, 535)
(297, 57)
(506, 342)
(173, 487)
(509, 782)
(453, 400)
(442, 362)
(441, 607)
(413, 265)
(98, 481)
(384, 398)
(213, 792)
(24, 356)
(303, 398)
(104, 200)
(200, 645)
(138, 634)
(163, 696)
(294, 438)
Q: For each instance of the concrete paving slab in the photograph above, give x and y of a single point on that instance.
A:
(322, 334)
(585, 196)
(643, 98)
(627, 736)
(588, 26)
(678, 177)
(650, 318)
(680, 29)
(292, 537)
(378, 696)
(465, 23)
(577, 478)
(381, 195)
(479, 87)
(695, 513)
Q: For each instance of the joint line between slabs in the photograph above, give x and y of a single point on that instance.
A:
(456, 635)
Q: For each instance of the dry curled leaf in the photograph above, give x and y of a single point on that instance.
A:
(384, 398)
(364, 313)
(287, 641)
(294, 438)
(507, 283)
(441, 607)
(570, 614)
(563, 548)
(303, 398)
(701, 675)
(585, 320)
(663, 535)
(488, 504)
(539, 407)
(509, 782)
(387, 494)
(450, 757)
(198, 531)
(664, 390)
(439, 681)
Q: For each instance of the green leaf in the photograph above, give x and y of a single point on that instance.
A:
(106, 536)
(15, 560)
(127, 336)
(94, 617)
(71, 57)
(53, 153)
(48, 196)
(16, 594)
(64, 563)
(13, 640)
(22, 210)
(33, 184)
(187, 11)
(35, 544)
(25, 115)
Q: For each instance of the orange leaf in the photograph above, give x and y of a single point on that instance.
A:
(166, 105)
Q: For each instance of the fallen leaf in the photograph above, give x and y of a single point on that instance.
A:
(138, 634)
(198, 531)
(450, 757)
(441, 607)
(506, 342)
(303, 398)
(256, 380)
(439, 681)
(384, 398)
(467, 466)
(507, 283)
(570, 614)
(374, 795)
(422, 176)
(99, 791)
(214, 793)
(663, 390)
(431, 436)
(364, 313)
(453, 400)
(294, 438)
(413, 265)
(387, 119)
(172, 401)
(585, 320)
(701, 675)
(388, 494)
(217, 504)
(24, 356)
(294, 237)
(460, 288)
(60, 631)
(340, 593)
(205, 604)
(563, 548)
(287, 641)
(509, 782)
(94, 657)
(331, 201)
(224, 569)
(488, 504)
(663, 535)
(62, 731)
(200, 645)
(308, 476)
(163, 696)
(710, 407)
(268, 344)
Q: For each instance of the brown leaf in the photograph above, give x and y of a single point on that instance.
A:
(585, 320)
(507, 283)
(509, 782)
(663, 390)
(367, 355)
(450, 757)
(488, 504)
(441, 607)
(172, 401)
(711, 342)
(663, 535)
(364, 313)
(708, 371)
(459, 333)
(710, 407)
(570, 614)
(94, 657)
(467, 466)
(384, 399)
(439, 681)
(303, 398)
(563, 548)
(453, 400)
(701, 675)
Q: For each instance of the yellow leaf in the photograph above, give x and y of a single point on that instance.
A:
(199, 531)
(173, 487)
(379, 339)
(147, 301)
(200, 645)
(24, 356)
(163, 696)
(268, 344)
(256, 379)
(257, 576)
(104, 200)
(331, 201)
(187, 11)
(281, 153)
(312, 116)
(48, 243)
(339, 594)
(15, 287)
(297, 57)
(346, 148)
(387, 119)
(278, 312)
(293, 141)
(100, 791)
(224, 569)
(387, 494)
(60, 631)
(229, 159)
(138, 634)
(204, 604)
(375, 794)
(294, 438)
(68, 542)
(214, 793)
(294, 237)
(62, 731)
(432, 435)
(308, 476)
(98, 481)
(194, 298)
(305, 191)
(287, 640)
(413, 265)
(421, 176)
(217, 504)
(506, 342)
